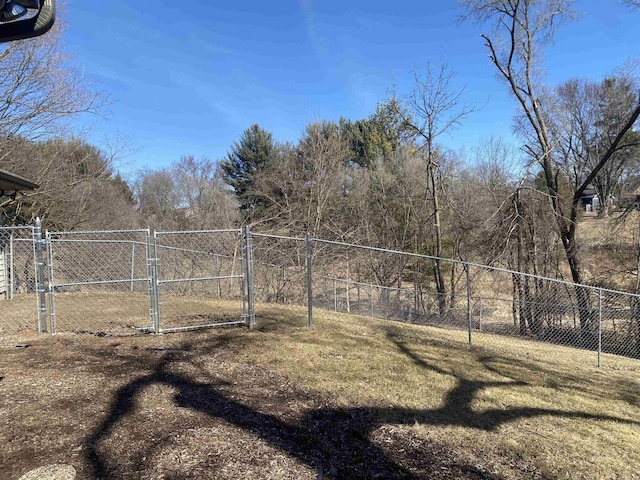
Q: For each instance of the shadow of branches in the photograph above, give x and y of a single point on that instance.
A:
(334, 440)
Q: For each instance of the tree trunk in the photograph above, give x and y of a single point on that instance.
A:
(439, 277)
(522, 281)
(585, 311)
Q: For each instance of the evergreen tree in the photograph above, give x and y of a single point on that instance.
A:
(379, 136)
(254, 152)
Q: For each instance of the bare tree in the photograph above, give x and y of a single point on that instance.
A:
(157, 198)
(306, 184)
(204, 200)
(521, 29)
(479, 198)
(434, 106)
(78, 186)
(190, 194)
(586, 119)
(40, 89)
(390, 200)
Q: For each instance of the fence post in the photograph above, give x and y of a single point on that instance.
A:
(243, 273)
(12, 279)
(52, 292)
(156, 282)
(599, 327)
(148, 253)
(480, 315)
(154, 287)
(469, 326)
(42, 307)
(249, 273)
(308, 241)
(335, 296)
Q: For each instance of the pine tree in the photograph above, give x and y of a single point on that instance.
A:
(254, 152)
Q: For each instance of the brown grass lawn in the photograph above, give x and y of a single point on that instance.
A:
(352, 398)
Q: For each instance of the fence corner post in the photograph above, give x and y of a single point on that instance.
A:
(52, 288)
(154, 281)
(42, 307)
(249, 273)
(469, 318)
(308, 241)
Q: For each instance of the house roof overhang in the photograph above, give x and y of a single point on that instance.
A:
(11, 183)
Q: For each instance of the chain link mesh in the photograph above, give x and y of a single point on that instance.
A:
(99, 282)
(19, 299)
(280, 277)
(493, 302)
(200, 278)
(123, 282)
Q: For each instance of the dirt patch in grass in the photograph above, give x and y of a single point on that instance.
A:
(353, 398)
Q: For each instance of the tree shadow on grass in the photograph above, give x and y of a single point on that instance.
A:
(336, 440)
(457, 408)
(333, 441)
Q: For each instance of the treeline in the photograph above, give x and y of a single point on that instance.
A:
(79, 188)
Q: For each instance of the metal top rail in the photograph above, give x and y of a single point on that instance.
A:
(184, 232)
(98, 240)
(96, 232)
(280, 237)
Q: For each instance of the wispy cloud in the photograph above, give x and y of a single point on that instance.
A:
(319, 46)
(209, 95)
(360, 88)
(111, 75)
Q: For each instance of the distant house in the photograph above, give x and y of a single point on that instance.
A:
(587, 199)
(591, 202)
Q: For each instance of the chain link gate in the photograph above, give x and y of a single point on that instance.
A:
(93, 275)
(200, 279)
(122, 282)
(22, 286)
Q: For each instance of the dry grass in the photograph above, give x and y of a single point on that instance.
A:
(114, 313)
(502, 403)
(363, 398)
(618, 227)
(18, 314)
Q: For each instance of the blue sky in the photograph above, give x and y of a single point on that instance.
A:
(189, 77)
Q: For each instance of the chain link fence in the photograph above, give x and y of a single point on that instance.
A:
(480, 300)
(21, 289)
(131, 281)
(280, 277)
